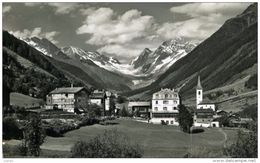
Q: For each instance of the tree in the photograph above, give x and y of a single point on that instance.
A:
(123, 112)
(34, 135)
(245, 145)
(112, 105)
(110, 144)
(185, 118)
(121, 99)
(94, 110)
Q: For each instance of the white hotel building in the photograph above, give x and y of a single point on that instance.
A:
(165, 107)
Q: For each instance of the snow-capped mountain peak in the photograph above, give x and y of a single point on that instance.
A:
(151, 62)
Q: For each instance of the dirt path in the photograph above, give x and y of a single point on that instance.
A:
(225, 137)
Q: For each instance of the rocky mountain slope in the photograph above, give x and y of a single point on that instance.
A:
(158, 61)
(86, 72)
(141, 72)
(225, 58)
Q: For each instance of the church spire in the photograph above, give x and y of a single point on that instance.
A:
(199, 84)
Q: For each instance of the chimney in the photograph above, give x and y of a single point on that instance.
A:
(71, 85)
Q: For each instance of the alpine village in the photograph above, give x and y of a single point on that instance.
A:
(68, 102)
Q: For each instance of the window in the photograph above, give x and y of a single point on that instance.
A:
(156, 102)
(171, 122)
(165, 102)
(174, 108)
(66, 94)
(167, 122)
(175, 95)
(156, 108)
(156, 95)
(165, 108)
(166, 95)
(199, 92)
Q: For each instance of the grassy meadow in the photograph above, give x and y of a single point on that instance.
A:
(156, 140)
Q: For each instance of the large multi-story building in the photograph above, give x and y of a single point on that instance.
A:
(165, 107)
(68, 98)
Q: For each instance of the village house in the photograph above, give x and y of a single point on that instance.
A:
(204, 114)
(165, 107)
(68, 98)
(101, 98)
(139, 108)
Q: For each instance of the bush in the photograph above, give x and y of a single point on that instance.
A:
(57, 127)
(246, 144)
(11, 129)
(252, 82)
(89, 121)
(111, 144)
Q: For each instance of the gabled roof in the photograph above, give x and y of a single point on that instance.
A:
(66, 90)
(206, 101)
(97, 95)
(204, 111)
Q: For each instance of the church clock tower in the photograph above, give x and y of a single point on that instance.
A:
(199, 92)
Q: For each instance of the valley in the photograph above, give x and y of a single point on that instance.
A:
(225, 66)
(111, 81)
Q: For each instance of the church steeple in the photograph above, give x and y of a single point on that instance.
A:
(199, 84)
(199, 92)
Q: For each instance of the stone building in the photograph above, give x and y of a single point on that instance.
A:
(165, 107)
(68, 98)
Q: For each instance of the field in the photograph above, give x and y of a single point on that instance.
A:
(156, 140)
(21, 100)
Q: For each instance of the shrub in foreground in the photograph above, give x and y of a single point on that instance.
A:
(245, 145)
(110, 144)
(11, 129)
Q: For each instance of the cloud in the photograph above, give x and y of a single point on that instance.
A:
(36, 32)
(59, 7)
(206, 9)
(126, 35)
(113, 31)
(205, 19)
(64, 8)
(6, 9)
(32, 4)
(192, 29)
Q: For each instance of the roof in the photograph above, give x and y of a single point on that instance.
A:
(199, 84)
(206, 101)
(204, 111)
(166, 93)
(97, 95)
(218, 111)
(66, 90)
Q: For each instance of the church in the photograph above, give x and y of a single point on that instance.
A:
(203, 115)
(199, 98)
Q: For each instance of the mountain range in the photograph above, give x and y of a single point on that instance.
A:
(225, 61)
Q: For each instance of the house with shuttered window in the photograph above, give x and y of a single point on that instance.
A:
(68, 98)
(165, 107)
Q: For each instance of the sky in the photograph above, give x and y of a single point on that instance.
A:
(121, 30)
